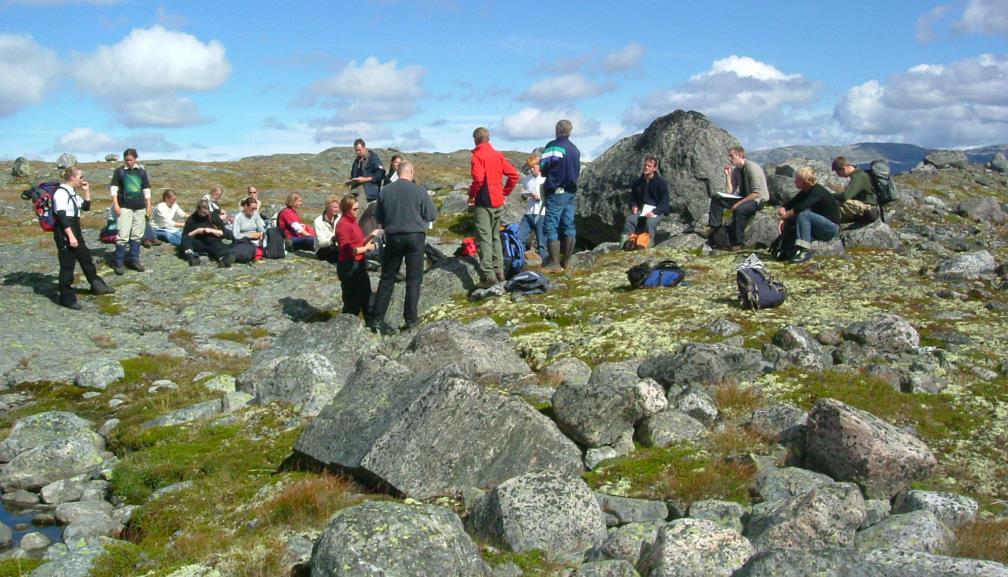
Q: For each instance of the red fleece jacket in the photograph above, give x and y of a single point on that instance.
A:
(489, 168)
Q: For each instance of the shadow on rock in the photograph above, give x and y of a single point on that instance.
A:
(41, 284)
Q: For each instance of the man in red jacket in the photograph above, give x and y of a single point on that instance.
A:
(486, 196)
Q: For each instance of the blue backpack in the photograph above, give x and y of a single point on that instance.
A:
(666, 273)
(758, 290)
(514, 250)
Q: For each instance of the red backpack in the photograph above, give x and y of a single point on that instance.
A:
(468, 247)
(41, 196)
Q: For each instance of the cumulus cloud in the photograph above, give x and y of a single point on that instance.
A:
(89, 141)
(365, 95)
(413, 140)
(960, 104)
(27, 72)
(927, 22)
(538, 124)
(562, 89)
(142, 76)
(737, 93)
(623, 59)
(988, 17)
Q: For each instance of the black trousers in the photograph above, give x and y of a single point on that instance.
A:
(399, 247)
(243, 250)
(740, 216)
(68, 259)
(203, 244)
(356, 286)
(329, 253)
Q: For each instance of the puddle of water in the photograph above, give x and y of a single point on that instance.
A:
(14, 518)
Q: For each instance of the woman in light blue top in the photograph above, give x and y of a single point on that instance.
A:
(249, 230)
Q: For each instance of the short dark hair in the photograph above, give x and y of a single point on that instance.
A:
(839, 162)
(737, 150)
(130, 152)
(359, 141)
(651, 158)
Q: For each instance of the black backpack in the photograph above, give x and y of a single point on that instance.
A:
(720, 237)
(274, 244)
(882, 184)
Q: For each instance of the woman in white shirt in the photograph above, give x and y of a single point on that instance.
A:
(325, 230)
(169, 218)
(70, 246)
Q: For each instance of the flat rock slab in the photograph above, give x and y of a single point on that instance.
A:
(427, 436)
(39, 429)
(482, 351)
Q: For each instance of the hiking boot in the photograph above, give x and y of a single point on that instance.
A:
(156, 242)
(500, 275)
(75, 306)
(226, 261)
(119, 269)
(100, 288)
(409, 325)
(801, 255)
(135, 265)
(486, 283)
(382, 328)
(146, 243)
(554, 258)
(192, 258)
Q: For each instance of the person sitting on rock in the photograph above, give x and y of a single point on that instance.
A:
(813, 214)
(857, 201)
(649, 201)
(202, 234)
(326, 247)
(745, 193)
(166, 227)
(249, 230)
(300, 235)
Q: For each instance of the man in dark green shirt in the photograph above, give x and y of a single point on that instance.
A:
(857, 201)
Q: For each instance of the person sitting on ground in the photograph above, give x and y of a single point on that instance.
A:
(813, 214)
(649, 200)
(70, 246)
(533, 219)
(745, 193)
(857, 201)
(166, 227)
(350, 268)
(214, 198)
(249, 230)
(300, 235)
(202, 234)
(325, 230)
(393, 170)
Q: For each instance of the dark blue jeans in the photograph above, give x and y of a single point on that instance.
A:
(560, 209)
(814, 226)
(399, 247)
(536, 222)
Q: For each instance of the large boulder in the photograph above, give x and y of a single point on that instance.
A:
(849, 444)
(695, 548)
(66, 160)
(609, 568)
(341, 341)
(427, 435)
(76, 454)
(776, 484)
(908, 563)
(886, 332)
(39, 429)
(22, 168)
(395, 540)
(596, 414)
(99, 374)
(1000, 163)
(669, 427)
(481, 350)
(946, 159)
(703, 364)
(875, 235)
(440, 284)
(828, 515)
(950, 508)
(983, 209)
(917, 530)
(691, 155)
(845, 562)
(543, 510)
(626, 542)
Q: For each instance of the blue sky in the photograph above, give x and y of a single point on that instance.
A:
(222, 80)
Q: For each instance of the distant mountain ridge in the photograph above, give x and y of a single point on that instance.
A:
(901, 157)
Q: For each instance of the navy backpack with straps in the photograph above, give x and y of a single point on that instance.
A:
(513, 249)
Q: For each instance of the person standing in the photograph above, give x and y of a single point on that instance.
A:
(561, 165)
(745, 193)
(70, 245)
(131, 202)
(532, 220)
(649, 199)
(393, 169)
(350, 268)
(486, 196)
(366, 171)
(404, 211)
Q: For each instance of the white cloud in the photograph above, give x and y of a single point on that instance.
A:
(88, 141)
(737, 93)
(623, 59)
(959, 104)
(345, 133)
(413, 140)
(141, 76)
(372, 91)
(928, 21)
(562, 89)
(538, 124)
(27, 72)
(988, 17)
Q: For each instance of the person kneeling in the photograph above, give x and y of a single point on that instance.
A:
(202, 234)
(813, 214)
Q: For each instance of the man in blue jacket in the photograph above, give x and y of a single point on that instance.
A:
(561, 165)
(367, 170)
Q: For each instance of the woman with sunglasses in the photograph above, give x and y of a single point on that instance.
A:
(350, 266)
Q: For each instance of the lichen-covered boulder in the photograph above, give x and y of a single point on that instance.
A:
(695, 548)
(875, 235)
(624, 510)
(625, 542)
(828, 515)
(845, 562)
(66, 160)
(950, 508)
(99, 374)
(895, 562)
(983, 209)
(79, 453)
(307, 381)
(596, 414)
(849, 444)
(73, 559)
(543, 510)
(967, 265)
(395, 540)
(38, 429)
(610, 568)
(567, 370)
(667, 428)
(916, 530)
(703, 364)
(775, 484)
(886, 332)
(782, 423)
(432, 435)
(697, 404)
(727, 514)
(946, 159)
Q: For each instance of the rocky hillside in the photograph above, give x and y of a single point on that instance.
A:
(204, 421)
(901, 157)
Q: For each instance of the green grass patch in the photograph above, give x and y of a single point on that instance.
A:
(19, 567)
(118, 560)
(243, 338)
(108, 305)
(532, 563)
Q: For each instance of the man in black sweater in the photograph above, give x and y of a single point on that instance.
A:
(404, 211)
(812, 214)
(649, 200)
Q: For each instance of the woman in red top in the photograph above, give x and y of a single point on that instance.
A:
(350, 266)
(300, 235)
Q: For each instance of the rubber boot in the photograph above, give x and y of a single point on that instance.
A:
(554, 257)
(500, 275)
(567, 251)
(133, 261)
(120, 254)
(623, 238)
